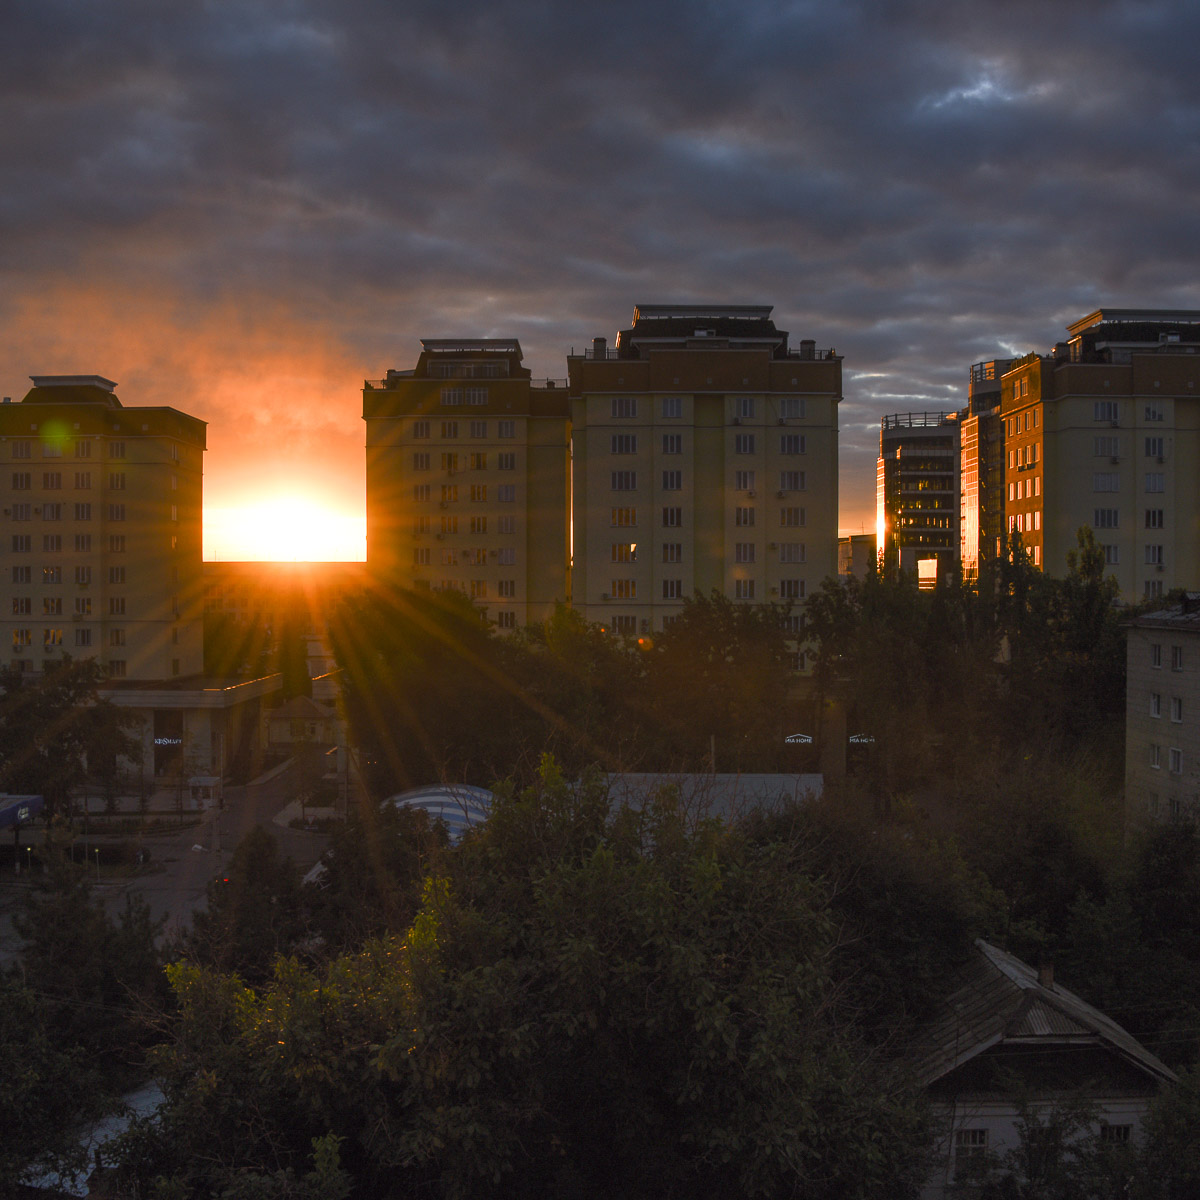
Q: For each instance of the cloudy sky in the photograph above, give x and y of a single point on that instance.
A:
(245, 208)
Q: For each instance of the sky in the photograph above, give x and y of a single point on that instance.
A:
(245, 209)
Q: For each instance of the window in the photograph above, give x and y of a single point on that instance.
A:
(1037, 485)
(1154, 518)
(970, 1146)
(625, 625)
(479, 429)
(83, 480)
(1177, 709)
(420, 429)
(116, 449)
(743, 481)
(1104, 518)
(52, 543)
(791, 408)
(791, 589)
(672, 408)
(1154, 481)
(672, 552)
(672, 443)
(791, 518)
(1155, 704)
(478, 493)
(672, 481)
(477, 461)
(479, 524)
(116, 481)
(83, 637)
(51, 606)
(1106, 410)
(22, 512)
(478, 589)
(22, 449)
(743, 552)
(1114, 1135)
(743, 443)
(449, 558)
(623, 481)
(791, 552)
(623, 589)
(1176, 658)
(507, 556)
(52, 512)
(449, 493)
(672, 518)
(620, 517)
(1112, 555)
(1175, 761)
(1154, 447)
(449, 524)
(83, 512)
(22, 574)
(624, 407)
(507, 462)
(22, 481)
(116, 606)
(22, 637)
(51, 638)
(745, 408)
(116, 574)
(22, 606)
(1152, 589)
(1106, 481)
(791, 443)
(421, 525)
(506, 429)
(83, 606)
(791, 481)
(506, 620)
(506, 589)
(51, 450)
(83, 449)
(22, 543)
(449, 429)
(421, 556)
(1154, 556)
(623, 552)
(506, 493)
(743, 516)
(421, 460)
(449, 461)
(623, 443)
(672, 589)
(51, 575)
(451, 397)
(508, 524)
(743, 589)
(116, 668)
(116, 512)
(1105, 447)
(421, 491)
(116, 637)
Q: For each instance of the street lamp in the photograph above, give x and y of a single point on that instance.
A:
(29, 859)
(97, 864)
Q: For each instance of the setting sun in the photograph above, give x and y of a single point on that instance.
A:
(283, 529)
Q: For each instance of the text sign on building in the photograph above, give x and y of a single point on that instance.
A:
(799, 739)
(862, 739)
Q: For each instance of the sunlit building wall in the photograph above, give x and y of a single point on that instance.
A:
(102, 546)
(981, 468)
(467, 472)
(1104, 432)
(704, 457)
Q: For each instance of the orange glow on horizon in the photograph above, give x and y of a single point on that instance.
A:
(283, 528)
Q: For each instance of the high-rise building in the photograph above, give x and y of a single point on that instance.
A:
(703, 458)
(102, 508)
(917, 493)
(467, 479)
(981, 470)
(1105, 432)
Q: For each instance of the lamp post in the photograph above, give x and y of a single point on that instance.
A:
(29, 859)
(97, 864)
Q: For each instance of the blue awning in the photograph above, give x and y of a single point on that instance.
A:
(16, 810)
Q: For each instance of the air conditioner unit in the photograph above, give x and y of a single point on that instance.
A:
(780, 495)
(604, 596)
(1161, 458)
(440, 536)
(751, 495)
(737, 420)
(782, 421)
(1114, 460)
(1159, 567)
(442, 503)
(1116, 424)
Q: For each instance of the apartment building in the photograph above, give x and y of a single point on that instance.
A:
(467, 479)
(981, 468)
(1162, 700)
(102, 505)
(703, 458)
(1103, 432)
(917, 495)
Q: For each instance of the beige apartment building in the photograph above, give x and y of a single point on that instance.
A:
(1105, 432)
(102, 505)
(467, 485)
(703, 457)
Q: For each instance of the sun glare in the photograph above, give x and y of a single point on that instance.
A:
(283, 529)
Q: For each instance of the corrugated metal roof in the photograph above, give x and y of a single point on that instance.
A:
(1000, 1000)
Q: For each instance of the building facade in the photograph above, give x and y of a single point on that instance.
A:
(917, 495)
(103, 509)
(1104, 432)
(981, 469)
(467, 484)
(703, 458)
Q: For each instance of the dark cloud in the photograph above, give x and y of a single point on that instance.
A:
(200, 196)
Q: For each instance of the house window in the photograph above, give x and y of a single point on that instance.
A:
(1152, 589)
(51, 606)
(479, 524)
(421, 460)
(1105, 518)
(791, 552)
(1105, 410)
(672, 589)
(507, 461)
(83, 512)
(1156, 654)
(52, 543)
(22, 574)
(1154, 556)
(745, 408)
(1115, 1135)
(478, 493)
(506, 589)
(22, 606)
(116, 449)
(672, 408)
(449, 524)
(116, 480)
(743, 481)
(743, 516)
(478, 589)
(479, 429)
(116, 512)
(22, 512)
(672, 443)
(507, 556)
(623, 481)
(116, 637)
(506, 619)
(619, 518)
(51, 575)
(672, 552)
(83, 637)
(1155, 704)
(791, 589)
(506, 493)
(22, 450)
(1176, 658)
(506, 429)
(791, 481)
(1155, 481)
(791, 443)
(743, 589)
(970, 1146)
(743, 443)
(449, 493)
(624, 443)
(1177, 709)
(83, 606)
(51, 638)
(1156, 756)
(623, 589)
(420, 429)
(83, 480)
(791, 408)
(672, 481)
(623, 552)
(1106, 481)
(22, 638)
(625, 625)
(1154, 518)
(743, 552)
(672, 517)
(116, 668)
(449, 462)
(1154, 447)
(624, 407)
(116, 606)
(1154, 412)
(421, 556)
(1175, 761)
(449, 429)
(791, 518)
(1105, 447)
(22, 481)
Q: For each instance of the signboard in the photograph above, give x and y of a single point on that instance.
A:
(799, 739)
(862, 739)
(16, 810)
